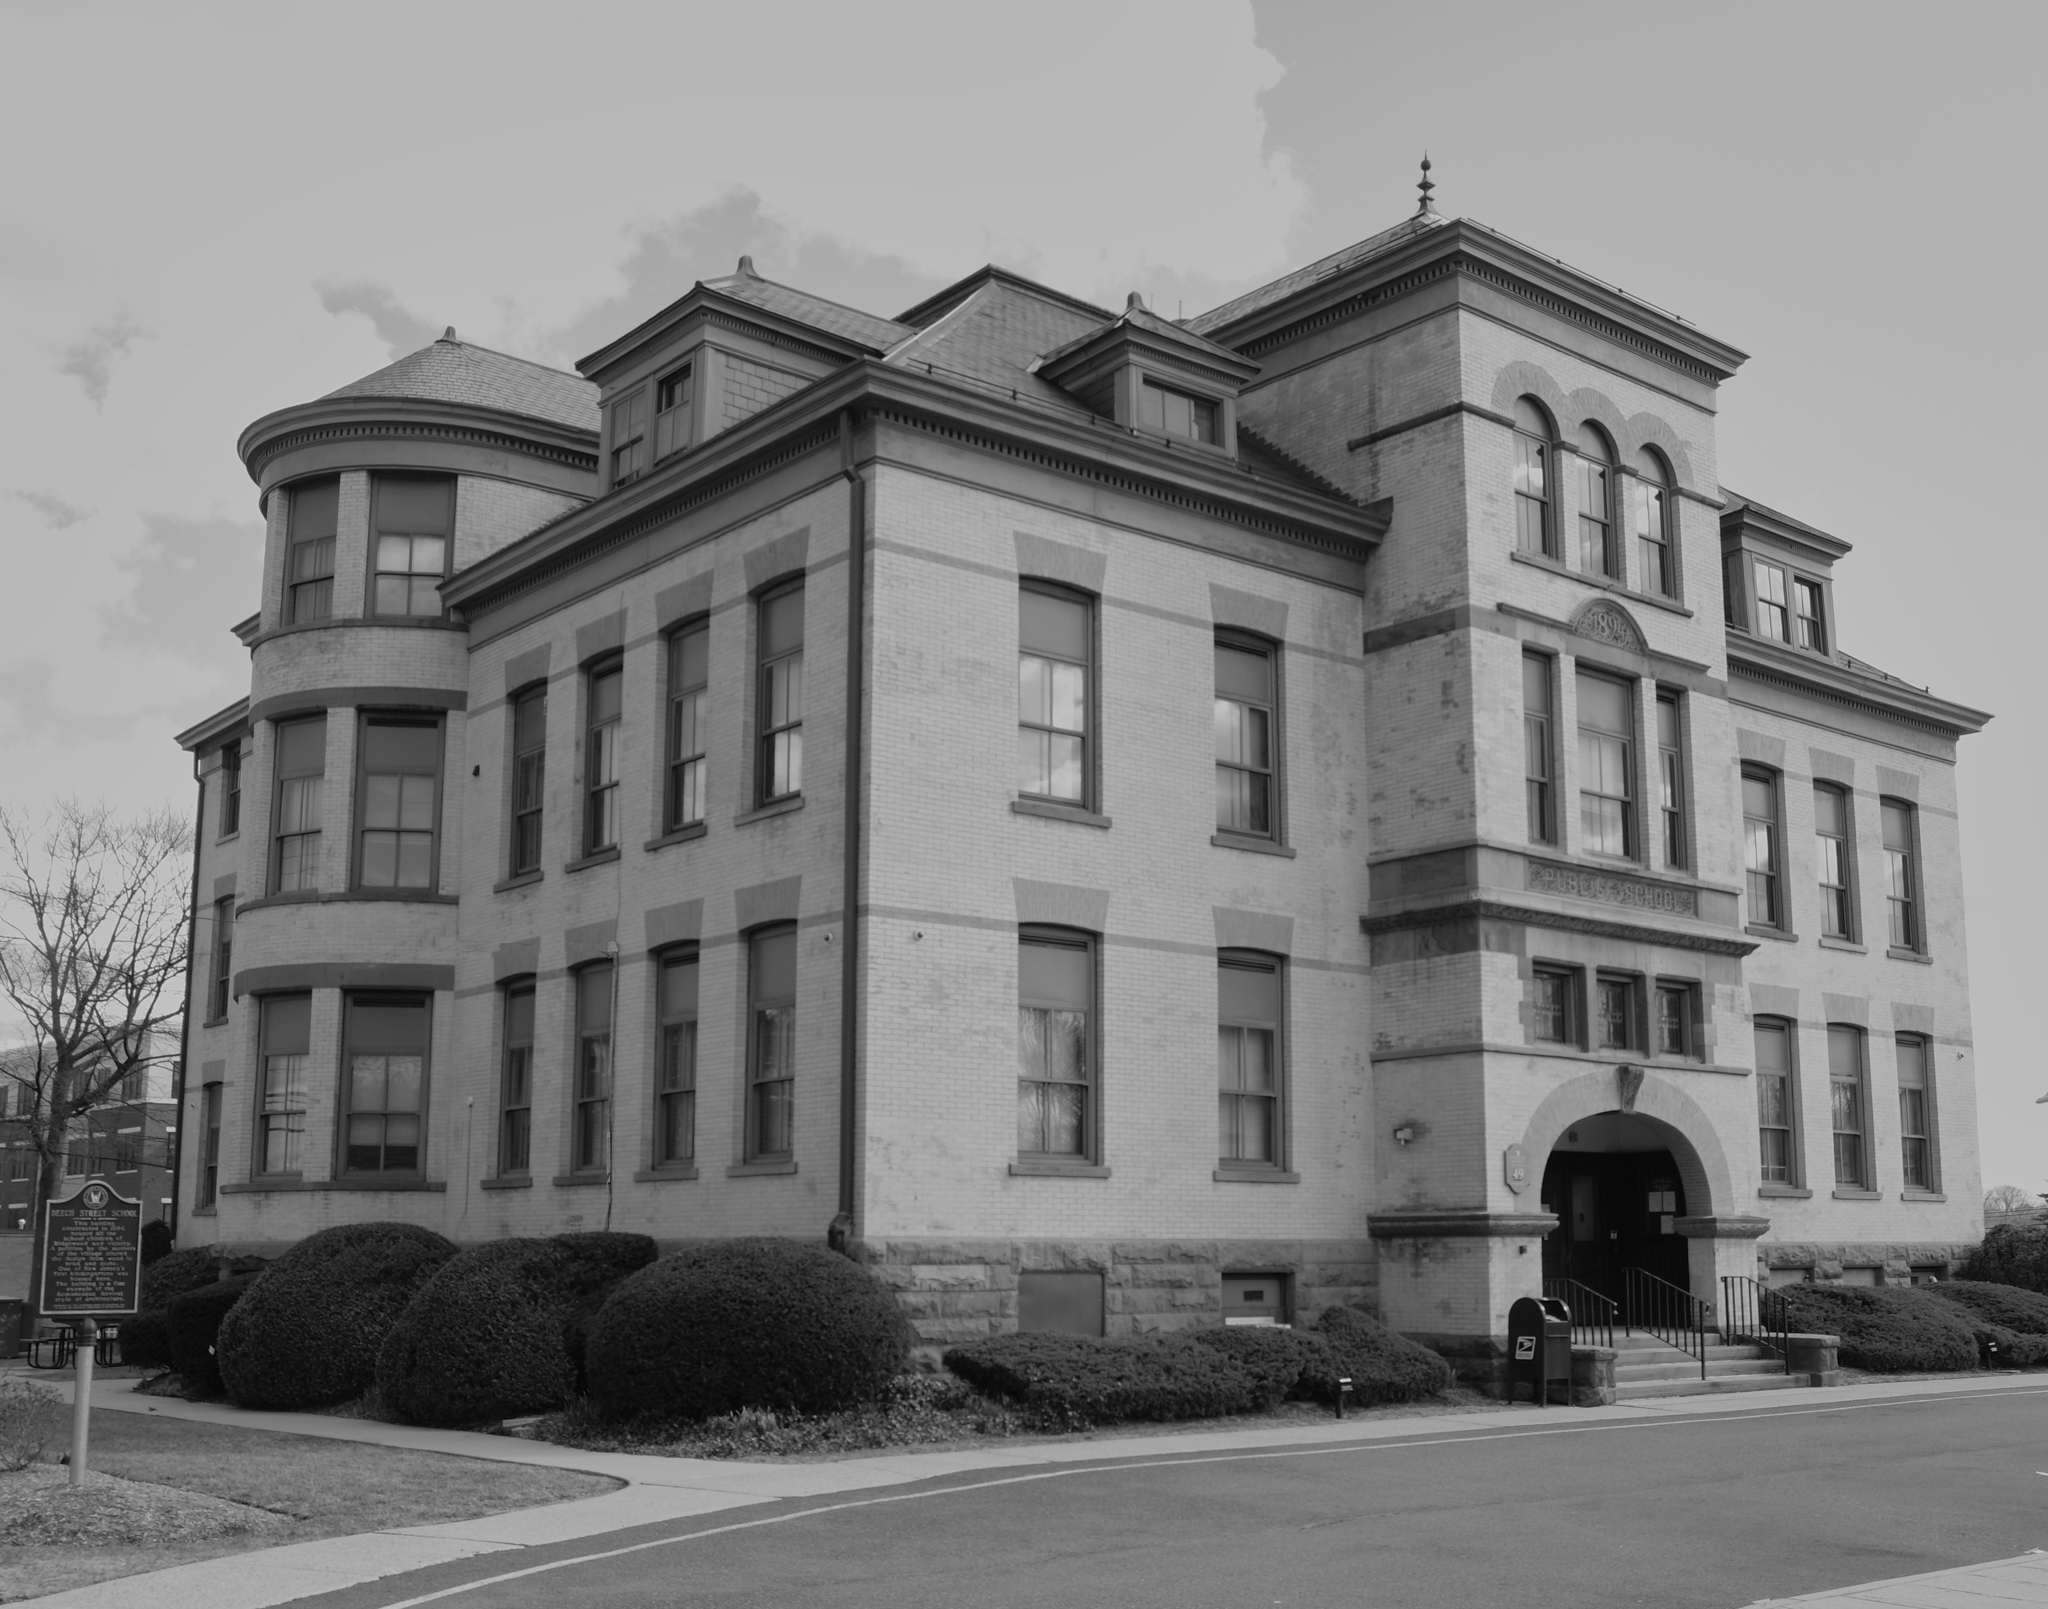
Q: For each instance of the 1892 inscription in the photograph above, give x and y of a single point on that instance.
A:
(1546, 877)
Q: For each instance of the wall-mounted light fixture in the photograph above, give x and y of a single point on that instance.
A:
(1403, 1134)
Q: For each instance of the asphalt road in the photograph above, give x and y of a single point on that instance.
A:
(1709, 1511)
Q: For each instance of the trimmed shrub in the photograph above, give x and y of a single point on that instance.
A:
(308, 1332)
(487, 1335)
(753, 1323)
(1383, 1366)
(1098, 1382)
(146, 1339)
(174, 1275)
(33, 1420)
(156, 1241)
(2008, 1306)
(1888, 1328)
(1280, 1363)
(2011, 1254)
(193, 1321)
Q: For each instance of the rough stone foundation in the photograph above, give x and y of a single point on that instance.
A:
(1897, 1260)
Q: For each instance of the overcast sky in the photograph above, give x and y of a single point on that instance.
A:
(211, 212)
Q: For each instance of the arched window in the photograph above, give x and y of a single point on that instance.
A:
(1596, 503)
(1656, 572)
(1533, 437)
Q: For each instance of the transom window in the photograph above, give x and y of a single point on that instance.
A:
(1655, 571)
(309, 558)
(1596, 517)
(689, 673)
(387, 1068)
(301, 783)
(1176, 413)
(1831, 841)
(1055, 634)
(515, 1123)
(1055, 1000)
(1845, 1089)
(1916, 1115)
(601, 759)
(1760, 847)
(1774, 1108)
(529, 777)
(590, 1126)
(675, 1098)
(1606, 766)
(1244, 738)
(287, 1029)
(414, 519)
(629, 437)
(1533, 437)
(771, 1053)
(1248, 1059)
(782, 695)
(1538, 746)
(1901, 875)
(401, 769)
(672, 413)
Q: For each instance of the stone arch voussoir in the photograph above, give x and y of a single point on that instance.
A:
(1702, 1163)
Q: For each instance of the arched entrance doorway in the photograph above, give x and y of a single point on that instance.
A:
(1616, 1186)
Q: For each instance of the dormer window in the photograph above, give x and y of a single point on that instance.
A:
(1176, 413)
(629, 438)
(1809, 617)
(672, 413)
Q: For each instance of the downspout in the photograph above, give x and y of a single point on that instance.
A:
(840, 1235)
(185, 1024)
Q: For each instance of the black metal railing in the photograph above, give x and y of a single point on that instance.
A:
(1669, 1312)
(1592, 1314)
(1752, 1314)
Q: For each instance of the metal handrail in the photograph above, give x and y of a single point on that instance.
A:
(1592, 1314)
(1669, 1312)
(1752, 1314)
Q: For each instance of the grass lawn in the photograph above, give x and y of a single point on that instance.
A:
(319, 1487)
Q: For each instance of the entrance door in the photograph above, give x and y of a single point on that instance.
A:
(1615, 1210)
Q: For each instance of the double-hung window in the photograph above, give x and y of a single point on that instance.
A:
(1846, 1093)
(209, 1152)
(1055, 642)
(689, 674)
(1761, 868)
(1901, 876)
(1248, 1059)
(1776, 1108)
(629, 437)
(590, 1126)
(387, 1082)
(400, 764)
(1670, 783)
(223, 958)
(414, 521)
(672, 413)
(1533, 436)
(675, 1087)
(1607, 810)
(1614, 1013)
(605, 692)
(286, 1035)
(1916, 1114)
(1055, 1045)
(230, 789)
(1596, 505)
(1809, 615)
(1678, 1025)
(309, 555)
(1554, 1005)
(529, 777)
(1538, 747)
(301, 784)
(1176, 413)
(771, 1048)
(515, 1102)
(1773, 617)
(780, 710)
(1245, 707)
(1831, 843)
(1655, 571)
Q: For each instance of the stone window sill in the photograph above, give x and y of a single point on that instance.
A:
(373, 896)
(1849, 1193)
(570, 1181)
(1255, 1176)
(206, 1212)
(213, 1022)
(1058, 1170)
(1915, 956)
(1849, 946)
(1757, 930)
(275, 1186)
(603, 857)
(225, 838)
(682, 835)
(761, 1170)
(1922, 1195)
(511, 1181)
(1783, 1192)
(1256, 846)
(519, 880)
(1052, 810)
(779, 807)
(675, 1170)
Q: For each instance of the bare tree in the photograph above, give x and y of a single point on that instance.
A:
(2007, 1199)
(94, 934)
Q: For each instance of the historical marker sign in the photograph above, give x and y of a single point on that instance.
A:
(92, 1252)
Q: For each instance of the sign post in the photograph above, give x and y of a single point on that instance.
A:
(92, 1266)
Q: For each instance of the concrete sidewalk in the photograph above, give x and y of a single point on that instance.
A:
(2001, 1584)
(661, 1489)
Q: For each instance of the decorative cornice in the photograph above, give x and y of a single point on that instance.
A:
(771, 336)
(1535, 916)
(373, 418)
(1830, 683)
(216, 727)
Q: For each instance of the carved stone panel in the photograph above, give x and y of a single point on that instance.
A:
(1610, 623)
(1606, 888)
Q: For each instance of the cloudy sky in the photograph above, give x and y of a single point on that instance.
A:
(255, 204)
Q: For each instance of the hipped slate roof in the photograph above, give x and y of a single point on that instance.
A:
(834, 318)
(1287, 284)
(451, 370)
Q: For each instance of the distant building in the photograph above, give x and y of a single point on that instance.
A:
(1117, 822)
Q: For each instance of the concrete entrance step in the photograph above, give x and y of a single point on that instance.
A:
(1689, 1369)
(1657, 1352)
(1713, 1385)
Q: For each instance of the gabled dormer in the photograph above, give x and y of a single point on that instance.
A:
(1154, 377)
(1778, 576)
(730, 348)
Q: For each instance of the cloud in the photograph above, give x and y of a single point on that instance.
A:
(397, 326)
(190, 579)
(60, 515)
(91, 361)
(664, 261)
(27, 694)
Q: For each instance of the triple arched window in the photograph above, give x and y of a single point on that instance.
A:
(1614, 502)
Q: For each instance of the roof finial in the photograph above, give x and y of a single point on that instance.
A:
(1425, 208)
(449, 333)
(1135, 303)
(747, 267)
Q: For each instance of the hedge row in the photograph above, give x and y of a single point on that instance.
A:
(1892, 1329)
(2011, 1254)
